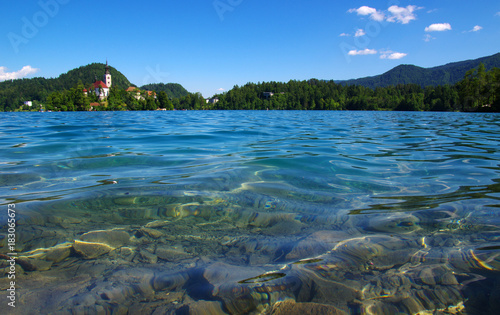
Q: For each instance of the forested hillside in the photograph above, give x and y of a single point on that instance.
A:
(408, 74)
(173, 90)
(87, 75)
(14, 93)
(479, 90)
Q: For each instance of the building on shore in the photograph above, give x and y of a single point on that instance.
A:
(212, 100)
(268, 95)
(140, 95)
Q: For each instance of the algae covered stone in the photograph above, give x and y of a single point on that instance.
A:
(89, 250)
(113, 238)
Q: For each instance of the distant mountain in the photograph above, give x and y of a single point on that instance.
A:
(404, 74)
(173, 90)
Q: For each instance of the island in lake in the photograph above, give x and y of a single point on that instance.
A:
(472, 85)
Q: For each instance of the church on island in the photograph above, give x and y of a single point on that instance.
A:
(102, 88)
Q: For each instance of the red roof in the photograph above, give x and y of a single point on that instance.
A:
(100, 83)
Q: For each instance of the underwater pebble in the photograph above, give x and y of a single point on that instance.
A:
(33, 264)
(306, 248)
(90, 250)
(290, 307)
(125, 201)
(151, 232)
(113, 238)
(126, 253)
(169, 282)
(148, 257)
(427, 276)
(411, 305)
(222, 273)
(171, 253)
(449, 279)
(157, 224)
(205, 308)
(54, 254)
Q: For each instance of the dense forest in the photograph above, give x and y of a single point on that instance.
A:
(479, 90)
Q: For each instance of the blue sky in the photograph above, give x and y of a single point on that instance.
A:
(211, 45)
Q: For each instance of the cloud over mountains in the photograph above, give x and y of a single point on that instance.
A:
(24, 72)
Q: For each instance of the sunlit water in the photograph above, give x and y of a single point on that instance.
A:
(252, 212)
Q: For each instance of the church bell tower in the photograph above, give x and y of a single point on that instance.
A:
(107, 76)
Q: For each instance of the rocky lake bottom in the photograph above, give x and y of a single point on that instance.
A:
(251, 213)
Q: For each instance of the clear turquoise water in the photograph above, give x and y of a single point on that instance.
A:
(239, 211)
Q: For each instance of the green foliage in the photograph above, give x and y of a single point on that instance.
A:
(88, 74)
(479, 90)
(174, 90)
(14, 93)
(164, 101)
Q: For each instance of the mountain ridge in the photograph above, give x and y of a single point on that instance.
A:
(449, 73)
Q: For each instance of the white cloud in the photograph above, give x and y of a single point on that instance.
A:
(438, 27)
(372, 12)
(359, 33)
(392, 55)
(344, 34)
(497, 14)
(432, 11)
(24, 72)
(221, 89)
(476, 28)
(428, 38)
(362, 52)
(402, 15)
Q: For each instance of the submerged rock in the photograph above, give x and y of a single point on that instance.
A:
(157, 224)
(290, 307)
(42, 259)
(33, 264)
(54, 254)
(89, 250)
(172, 253)
(206, 308)
(113, 238)
(151, 232)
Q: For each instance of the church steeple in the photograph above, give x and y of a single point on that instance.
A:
(107, 75)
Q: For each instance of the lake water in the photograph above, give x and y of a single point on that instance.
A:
(251, 212)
